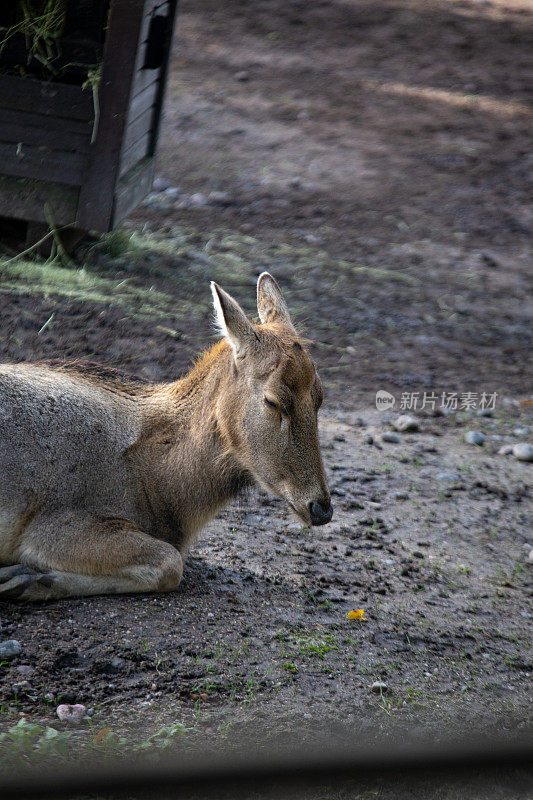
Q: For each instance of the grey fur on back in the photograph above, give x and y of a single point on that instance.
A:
(62, 443)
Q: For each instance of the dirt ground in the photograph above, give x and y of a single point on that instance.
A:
(376, 157)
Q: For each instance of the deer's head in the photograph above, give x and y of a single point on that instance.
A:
(267, 413)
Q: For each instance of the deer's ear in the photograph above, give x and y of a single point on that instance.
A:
(231, 320)
(270, 303)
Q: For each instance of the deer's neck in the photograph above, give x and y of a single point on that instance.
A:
(194, 473)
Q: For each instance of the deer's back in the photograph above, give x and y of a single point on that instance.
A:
(63, 435)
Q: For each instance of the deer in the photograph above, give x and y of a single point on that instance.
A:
(106, 480)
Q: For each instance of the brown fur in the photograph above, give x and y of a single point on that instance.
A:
(106, 479)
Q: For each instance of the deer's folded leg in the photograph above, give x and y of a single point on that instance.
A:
(15, 578)
(73, 555)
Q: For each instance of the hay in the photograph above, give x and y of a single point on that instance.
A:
(41, 22)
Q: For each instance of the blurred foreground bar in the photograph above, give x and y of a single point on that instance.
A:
(277, 773)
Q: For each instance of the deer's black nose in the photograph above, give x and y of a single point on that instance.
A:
(320, 514)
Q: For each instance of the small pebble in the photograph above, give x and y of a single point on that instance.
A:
(506, 450)
(242, 75)
(160, 184)
(405, 423)
(400, 496)
(489, 258)
(520, 431)
(389, 436)
(156, 200)
(485, 412)
(530, 557)
(220, 198)
(448, 476)
(523, 451)
(25, 670)
(172, 192)
(448, 412)
(72, 715)
(23, 687)
(475, 437)
(368, 438)
(379, 687)
(9, 649)
(198, 200)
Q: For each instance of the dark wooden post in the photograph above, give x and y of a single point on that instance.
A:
(95, 208)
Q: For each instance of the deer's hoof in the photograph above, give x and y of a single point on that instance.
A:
(15, 578)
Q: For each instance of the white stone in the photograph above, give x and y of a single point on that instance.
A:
(405, 423)
(523, 451)
(72, 715)
(9, 649)
(475, 437)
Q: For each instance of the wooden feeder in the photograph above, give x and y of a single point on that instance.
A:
(80, 153)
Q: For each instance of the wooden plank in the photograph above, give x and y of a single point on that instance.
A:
(153, 5)
(163, 79)
(120, 50)
(42, 164)
(163, 10)
(39, 137)
(135, 153)
(143, 79)
(132, 189)
(143, 101)
(25, 199)
(54, 99)
(137, 128)
(57, 125)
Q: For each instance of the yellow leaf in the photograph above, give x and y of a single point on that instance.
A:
(358, 613)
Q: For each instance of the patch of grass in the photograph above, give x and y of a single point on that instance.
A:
(186, 257)
(27, 741)
(290, 667)
(312, 598)
(316, 644)
(116, 243)
(82, 284)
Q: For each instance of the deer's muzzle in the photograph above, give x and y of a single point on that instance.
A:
(320, 514)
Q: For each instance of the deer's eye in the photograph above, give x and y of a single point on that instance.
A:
(271, 403)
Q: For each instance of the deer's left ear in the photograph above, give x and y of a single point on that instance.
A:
(270, 303)
(231, 320)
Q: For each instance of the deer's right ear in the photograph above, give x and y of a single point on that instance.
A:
(270, 303)
(231, 320)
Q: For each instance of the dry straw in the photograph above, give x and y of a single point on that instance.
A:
(41, 22)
